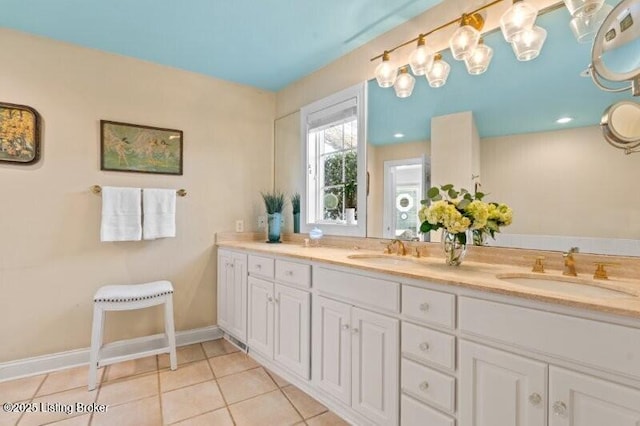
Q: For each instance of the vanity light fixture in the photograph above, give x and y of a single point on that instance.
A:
(579, 8)
(564, 120)
(465, 39)
(421, 59)
(437, 75)
(585, 27)
(527, 44)
(478, 61)
(404, 83)
(386, 72)
(520, 16)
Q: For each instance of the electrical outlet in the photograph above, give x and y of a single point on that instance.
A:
(239, 225)
(262, 222)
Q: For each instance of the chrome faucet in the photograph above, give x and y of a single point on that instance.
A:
(401, 250)
(570, 262)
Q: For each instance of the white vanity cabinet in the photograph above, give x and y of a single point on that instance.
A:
(232, 293)
(280, 312)
(355, 350)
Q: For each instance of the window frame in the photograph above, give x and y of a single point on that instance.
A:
(359, 92)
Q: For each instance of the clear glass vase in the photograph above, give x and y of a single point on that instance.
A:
(479, 237)
(455, 247)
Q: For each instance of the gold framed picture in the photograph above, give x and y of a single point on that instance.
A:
(19, 134)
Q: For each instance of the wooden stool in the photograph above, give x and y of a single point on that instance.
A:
(123, 298)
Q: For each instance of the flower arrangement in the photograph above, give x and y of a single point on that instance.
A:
(455, 211)
(499, 215)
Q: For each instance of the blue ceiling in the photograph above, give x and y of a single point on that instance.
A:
(263, 43)
(511, 97)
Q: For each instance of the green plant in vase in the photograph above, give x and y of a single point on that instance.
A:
(274, 203)
(295, 206)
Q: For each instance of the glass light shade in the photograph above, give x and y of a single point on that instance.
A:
(421, 59)
(579, 8)
(479, 60)
(520, 16)
(439, 72)
(527, 44)
(585, 27)
(404, 84)
(463, 42)
(386, 72)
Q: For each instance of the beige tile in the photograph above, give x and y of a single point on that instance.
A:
(218, 347)
(185, 354)
(126, 390)
(67, 379)
(232, 363)
(21, 389)
(219, 417)
(73, 421)
(326, 419)
(144, 412)
(10, 418)
(59, 406)
(131, 368)
(279, 380)
(187, 402)
(186, 375)
(245, 385)
(268, 409)
(305, 405)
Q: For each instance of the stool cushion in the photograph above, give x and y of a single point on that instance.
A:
(133, 292)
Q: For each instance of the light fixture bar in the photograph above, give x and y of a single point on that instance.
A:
(541, 12)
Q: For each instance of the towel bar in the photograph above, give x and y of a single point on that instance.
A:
(97, 189)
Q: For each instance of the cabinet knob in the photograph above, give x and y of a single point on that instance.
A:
(231, 265)
(289, 273)
(535, 398)
(424, 346)
(559, 408)
(270, 299)
(258, 266)
(424, 386)
(355, 330)
(345, 327)
(424, 307)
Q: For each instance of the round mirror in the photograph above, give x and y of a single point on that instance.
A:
(621, 125)
(616, 49)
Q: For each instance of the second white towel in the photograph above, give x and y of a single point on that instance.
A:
(159, 213)
(120, 214)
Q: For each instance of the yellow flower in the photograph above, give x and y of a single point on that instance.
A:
(480, 213)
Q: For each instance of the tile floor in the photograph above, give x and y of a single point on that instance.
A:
(215, 384)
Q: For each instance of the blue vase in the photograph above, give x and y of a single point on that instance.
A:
(273, 223)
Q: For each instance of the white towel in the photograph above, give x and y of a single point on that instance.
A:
(121, 214)
(159, 213)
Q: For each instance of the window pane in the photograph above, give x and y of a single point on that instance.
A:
(351, 135)
(333, 169)
(334, 138)
(333, 204)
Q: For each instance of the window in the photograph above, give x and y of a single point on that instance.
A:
(335, 163)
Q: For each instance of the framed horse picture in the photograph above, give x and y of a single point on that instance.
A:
(19, 134)
(143, 149)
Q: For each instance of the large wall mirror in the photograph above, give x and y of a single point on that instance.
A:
(566, 185)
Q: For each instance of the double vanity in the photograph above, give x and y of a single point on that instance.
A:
(383, 339)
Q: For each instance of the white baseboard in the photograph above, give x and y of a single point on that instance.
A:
(58, 361)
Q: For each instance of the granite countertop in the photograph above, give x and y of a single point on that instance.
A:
(471, 275)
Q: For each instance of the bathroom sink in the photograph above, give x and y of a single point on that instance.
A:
(382, 259)
(572, 286)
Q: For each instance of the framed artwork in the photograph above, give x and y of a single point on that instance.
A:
(19, 134)
(143, 149)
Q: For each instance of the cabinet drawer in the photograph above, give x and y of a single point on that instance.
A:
(605, 346)
(428, 385)
(358, 289)
(428, 345)
(414, 413)
(297, 274)
(428, 306)
(261, 266)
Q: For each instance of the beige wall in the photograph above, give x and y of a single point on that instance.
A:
(568, 182)
(376, 156)
(288, 176)
(51, 260)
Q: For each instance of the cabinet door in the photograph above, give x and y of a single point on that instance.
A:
(580, 400)
(225, 275)
(292, 329)
(332, 348)
(236, 297)
(260, 333)
(375, 366)
(500, 389)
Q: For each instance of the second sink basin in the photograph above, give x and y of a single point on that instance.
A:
(573, 286)
(382, 259)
